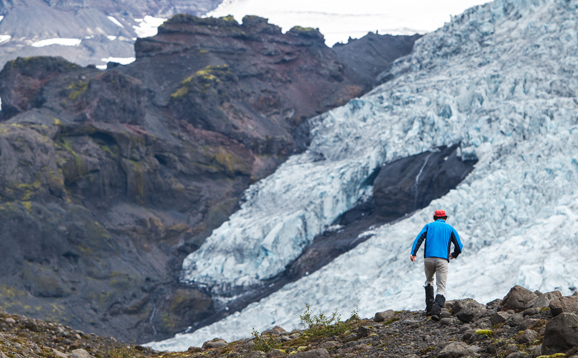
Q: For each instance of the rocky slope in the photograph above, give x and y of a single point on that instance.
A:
(109, 179)
(523, 324)
(85, 31)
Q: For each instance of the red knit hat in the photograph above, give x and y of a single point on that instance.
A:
(440, 214)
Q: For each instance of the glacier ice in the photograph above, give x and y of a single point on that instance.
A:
(502, 80)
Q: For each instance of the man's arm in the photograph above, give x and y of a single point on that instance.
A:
(417, 243)
(455, 239)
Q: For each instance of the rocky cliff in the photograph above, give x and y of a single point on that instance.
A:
(110, 178)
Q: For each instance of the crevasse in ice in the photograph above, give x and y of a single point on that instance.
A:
(501, 78)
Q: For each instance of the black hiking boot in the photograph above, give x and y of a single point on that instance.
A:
(429, 299)
(437, 307)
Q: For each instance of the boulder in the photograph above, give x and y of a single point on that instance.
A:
(528, 336)
(561, 334)
(517, 355)
(215, 343)
(384, 316)
(455, 350)
(532, 311)
(467, 310)
(256, 354)
(274, 331)
(363, 332)
(515, 320)
(273, 353)
(499, 317)
(544, 299)
(517, 299)
(80, 353)
(316, 353)
(564, 304)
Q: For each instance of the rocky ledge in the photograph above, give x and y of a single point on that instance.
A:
(522, 324)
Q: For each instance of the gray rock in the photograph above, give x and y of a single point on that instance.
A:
(454, 350)
(363, 332)
(544, 300)
(80, 353)
(515, 320)
(532, 311)
(517, 355)
(255, 354)
(517, 299)
(468, 334)
(527, 323)
(411, 356)
(467, 310)
(59, 353)
(215, 343)
(328, 344)
(274, 331)
(499, 317)
(484, 323)
(316, 353)
(564, 304)
(445, 315)
(528, 336)
(447, 321)
(561, 334)
(535, 351)
(274, 353)
(10, 320)
(384, 316)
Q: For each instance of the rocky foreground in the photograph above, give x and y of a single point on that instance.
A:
(523, 324)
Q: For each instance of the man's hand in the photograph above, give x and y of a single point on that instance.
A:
(412, 258)
(451, 257)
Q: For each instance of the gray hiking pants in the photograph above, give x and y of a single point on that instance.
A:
(439, 267)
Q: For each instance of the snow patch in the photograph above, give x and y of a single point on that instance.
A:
(112, 38)
(4, 38)
(115, 21)
(57, 41)
(121, 60)
(148, 26)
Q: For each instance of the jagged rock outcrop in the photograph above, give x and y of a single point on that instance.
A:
(109, 179)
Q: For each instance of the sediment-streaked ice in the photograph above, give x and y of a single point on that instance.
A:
(501, 80)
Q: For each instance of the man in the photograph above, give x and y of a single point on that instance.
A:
(438, 237)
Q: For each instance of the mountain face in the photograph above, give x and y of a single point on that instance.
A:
(85, 31)
(500, 81)
(110, 178)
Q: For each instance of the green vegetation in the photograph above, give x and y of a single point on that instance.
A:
(485, 332)
(323, 325)
(265, 344)
(77, 88)
(202, 79)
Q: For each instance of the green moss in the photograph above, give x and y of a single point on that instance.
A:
(303, 29)
(78, 88)
(204, 79)
(228, 18)
(485, 332)
(57, 121)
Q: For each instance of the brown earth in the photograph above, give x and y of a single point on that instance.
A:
(109, 179)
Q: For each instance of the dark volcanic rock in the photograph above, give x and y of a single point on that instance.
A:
(412, 183)
(467, 310)
(561, 334)
(109, 179)
(564, 304)
(517, 299)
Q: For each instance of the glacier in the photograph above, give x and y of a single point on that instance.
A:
(500, 79)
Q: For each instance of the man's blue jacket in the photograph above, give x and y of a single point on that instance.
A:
(438, 237)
